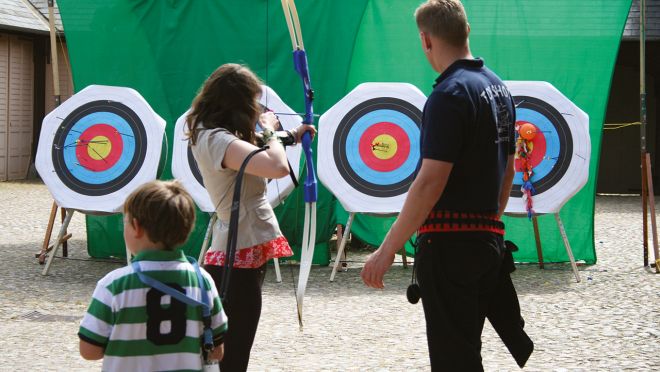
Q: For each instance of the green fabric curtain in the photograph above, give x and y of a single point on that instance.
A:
(165, 49)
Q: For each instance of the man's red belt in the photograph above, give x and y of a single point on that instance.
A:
(448, 221)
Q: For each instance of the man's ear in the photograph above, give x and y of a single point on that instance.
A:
(139, 230)
(426, 41)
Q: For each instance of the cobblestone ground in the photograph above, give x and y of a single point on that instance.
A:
(609, 321)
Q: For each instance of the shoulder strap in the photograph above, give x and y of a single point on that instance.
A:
(205, 304)
(151, 282)
(233, 225)
(292, 175)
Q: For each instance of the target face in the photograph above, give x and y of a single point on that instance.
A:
(93, 149)
(369, 146)
(561, 146)
(185, 168)
(99, 148)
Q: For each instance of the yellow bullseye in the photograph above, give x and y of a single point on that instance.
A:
(384, 147)
(99, 148)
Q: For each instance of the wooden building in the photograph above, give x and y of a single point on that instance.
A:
(26, 87)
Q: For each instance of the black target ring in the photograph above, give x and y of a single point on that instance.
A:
(565, 143)
(341, 137)
(134, 165)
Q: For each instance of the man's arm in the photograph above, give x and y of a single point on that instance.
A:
(422, 196)
(507, 181)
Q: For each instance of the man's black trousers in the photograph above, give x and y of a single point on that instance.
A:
(457, 273)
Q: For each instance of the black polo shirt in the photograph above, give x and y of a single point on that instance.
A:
(468, 120)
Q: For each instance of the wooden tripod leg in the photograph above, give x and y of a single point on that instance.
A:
(340, 250)
(340, 237)
(567, 245)
(65, 245)
(207, 237)
(60, 236)
(278, 273)
(654, 227)
(645, 221)
(537, 238)
(404, 258)
(49, 232)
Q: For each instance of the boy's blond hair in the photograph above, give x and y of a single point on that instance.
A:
(164, 210)
(445, 19)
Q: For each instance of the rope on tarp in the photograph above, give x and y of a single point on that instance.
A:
(620, 125)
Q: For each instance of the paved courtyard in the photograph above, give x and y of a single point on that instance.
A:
(609, 321)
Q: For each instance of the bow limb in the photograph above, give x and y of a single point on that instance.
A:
(310, 184)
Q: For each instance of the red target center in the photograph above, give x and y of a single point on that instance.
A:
(384, 147)
(538, 148)
(99, 147)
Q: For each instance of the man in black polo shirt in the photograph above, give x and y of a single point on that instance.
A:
(459, 194)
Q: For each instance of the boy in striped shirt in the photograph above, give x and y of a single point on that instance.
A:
(134, 327)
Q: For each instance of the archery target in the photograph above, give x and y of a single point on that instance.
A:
(184, 166)
(561, 146)
(98, 146)
(369, 146)
(185, 169)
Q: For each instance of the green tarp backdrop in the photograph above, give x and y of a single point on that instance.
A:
(166, 48)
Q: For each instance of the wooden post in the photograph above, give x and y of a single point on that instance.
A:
(537, 238)
(56, 92)
(65, 244)
(651, 199)
(645, 222)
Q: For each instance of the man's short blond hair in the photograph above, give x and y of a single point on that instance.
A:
(445, 19)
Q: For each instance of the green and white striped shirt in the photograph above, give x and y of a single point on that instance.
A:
(142, 329)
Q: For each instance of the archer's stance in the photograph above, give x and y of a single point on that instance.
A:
(467, 147)
(222, 125)
(134, 327)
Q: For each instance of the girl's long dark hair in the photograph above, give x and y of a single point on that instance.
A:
(228, 99)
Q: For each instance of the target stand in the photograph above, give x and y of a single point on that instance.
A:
(47, 247)
(555, 165)
(94, 150)
(368, 150)
(539, 248)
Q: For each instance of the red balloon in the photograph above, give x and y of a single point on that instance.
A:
(527, 131)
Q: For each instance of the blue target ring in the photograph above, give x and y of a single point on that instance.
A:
(355, 134)
(551, 141)
(96, 177)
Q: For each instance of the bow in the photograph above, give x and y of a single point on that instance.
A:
(310, 189)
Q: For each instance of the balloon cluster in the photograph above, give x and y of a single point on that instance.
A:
(524, 147)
